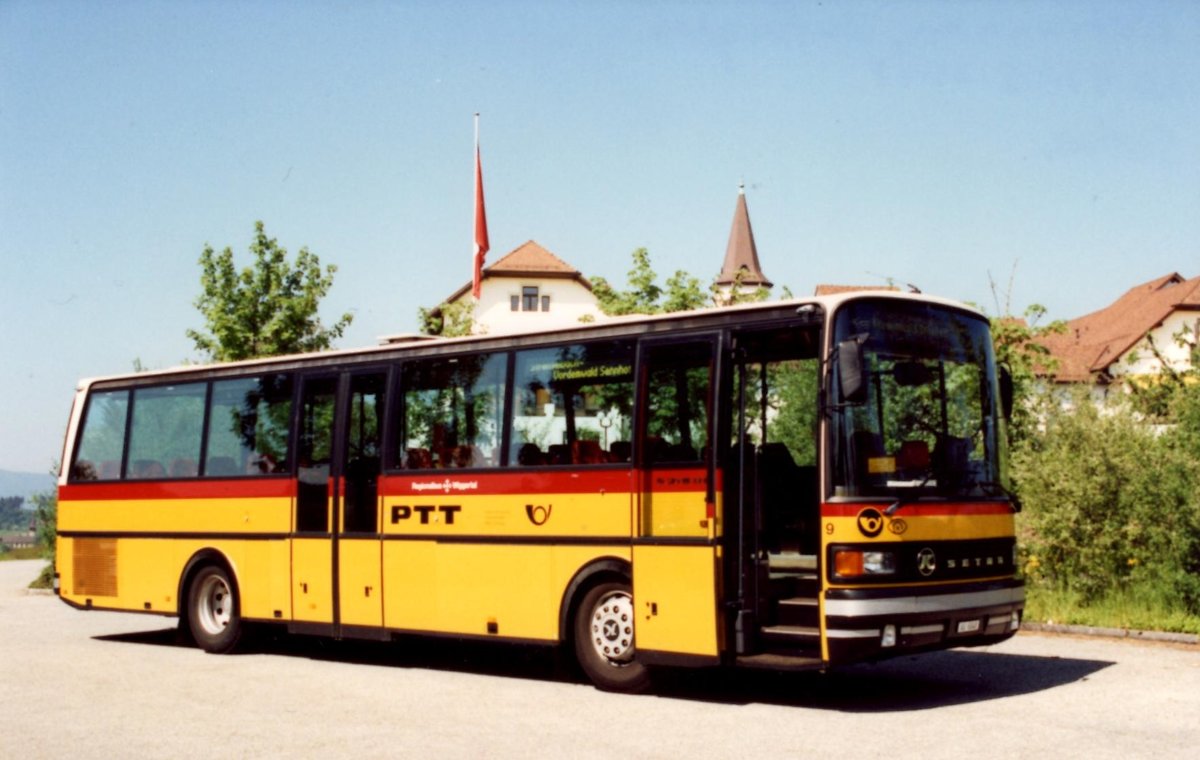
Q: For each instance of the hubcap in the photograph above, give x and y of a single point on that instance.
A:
(214, 608)
(612, 627)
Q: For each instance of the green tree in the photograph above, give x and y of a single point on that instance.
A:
(644, 295)
(1018, 345)
(1163, 396)
(12, 515)
(449, 320)
(45, 512)
(737, 292)
(266, 309)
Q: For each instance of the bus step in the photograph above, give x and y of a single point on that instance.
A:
(792, 562)
(787, 585)
(780, 661)
(799, 612)
(793, 635)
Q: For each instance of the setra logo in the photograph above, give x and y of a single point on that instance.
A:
(926, 561)
(870, 522)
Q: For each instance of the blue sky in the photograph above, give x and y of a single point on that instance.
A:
(923, 142)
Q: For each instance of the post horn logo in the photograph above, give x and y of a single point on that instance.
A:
(870, 522)
(538, 515)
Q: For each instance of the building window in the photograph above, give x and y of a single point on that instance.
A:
(529, 298)
(545, 303)
(514, 303)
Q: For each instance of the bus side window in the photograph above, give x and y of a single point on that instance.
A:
(452, 412)
(572, 404)
(248, 426)
(166, 423)
(102, 441)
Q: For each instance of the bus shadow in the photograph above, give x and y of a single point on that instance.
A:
(918, 682)
(461, 655)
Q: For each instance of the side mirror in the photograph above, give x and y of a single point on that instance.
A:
(852, 370)
(1006, 392)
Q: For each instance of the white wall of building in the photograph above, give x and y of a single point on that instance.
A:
(1140, 360)
(569, 302)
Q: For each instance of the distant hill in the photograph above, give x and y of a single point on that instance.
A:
(24, 484)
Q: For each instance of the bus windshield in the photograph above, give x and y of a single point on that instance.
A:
(926, 420)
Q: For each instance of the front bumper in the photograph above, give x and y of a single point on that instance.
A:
(865, 624)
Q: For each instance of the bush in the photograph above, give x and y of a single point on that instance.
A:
(1112, 504)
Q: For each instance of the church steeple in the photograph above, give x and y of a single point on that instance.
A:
(741, 255)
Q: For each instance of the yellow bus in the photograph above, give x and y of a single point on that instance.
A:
(786, 485)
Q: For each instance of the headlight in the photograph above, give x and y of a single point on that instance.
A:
(854, 563)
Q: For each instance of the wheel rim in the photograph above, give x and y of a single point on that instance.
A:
(214, 605)
(612, 627)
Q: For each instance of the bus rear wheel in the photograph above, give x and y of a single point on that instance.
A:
(604, 644)
(214, 616)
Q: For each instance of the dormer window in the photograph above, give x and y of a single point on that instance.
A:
(529, 300)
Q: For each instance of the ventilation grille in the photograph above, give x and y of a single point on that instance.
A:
(95, 566)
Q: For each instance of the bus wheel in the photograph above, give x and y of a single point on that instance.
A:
(213, 615)
(604, 639)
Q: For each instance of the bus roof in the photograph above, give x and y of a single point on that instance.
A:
(618, 326)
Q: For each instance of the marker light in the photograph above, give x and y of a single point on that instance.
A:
(889, 636)
(852, 563)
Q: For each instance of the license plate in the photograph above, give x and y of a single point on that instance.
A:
(968, 626)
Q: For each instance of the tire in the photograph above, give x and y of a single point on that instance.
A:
(604, 644)
(214, 614)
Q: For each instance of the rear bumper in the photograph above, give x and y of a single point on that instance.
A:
(857, 620)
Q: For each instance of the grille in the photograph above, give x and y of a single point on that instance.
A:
(95, 567)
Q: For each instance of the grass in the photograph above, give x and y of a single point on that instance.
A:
(31, 552)
(1133, 609)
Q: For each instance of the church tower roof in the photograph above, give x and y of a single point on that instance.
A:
(741, 255)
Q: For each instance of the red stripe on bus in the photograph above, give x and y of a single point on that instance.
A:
(664, 480)
(920, 510)
(243, 488)
(511, 482)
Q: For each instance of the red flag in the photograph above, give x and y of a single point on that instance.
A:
(481, 235)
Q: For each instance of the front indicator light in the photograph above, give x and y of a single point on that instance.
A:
(853, 563)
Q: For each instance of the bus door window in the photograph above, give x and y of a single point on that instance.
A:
(674, 443)
(315, 455)
(776, 401)
(677, 403)
(364, 438)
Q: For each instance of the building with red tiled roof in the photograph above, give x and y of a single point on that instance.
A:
(1119, 340)
(526, 284)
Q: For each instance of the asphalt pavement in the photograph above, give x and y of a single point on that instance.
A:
(101, 684)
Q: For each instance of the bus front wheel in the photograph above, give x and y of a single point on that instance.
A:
(213, 613)
(604, 639)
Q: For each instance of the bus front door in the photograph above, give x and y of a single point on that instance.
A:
(771, 488)
(336, 565)
(316, 493)
(676, 565)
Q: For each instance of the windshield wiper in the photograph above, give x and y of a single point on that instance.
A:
(992, 488)
(903, 501)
